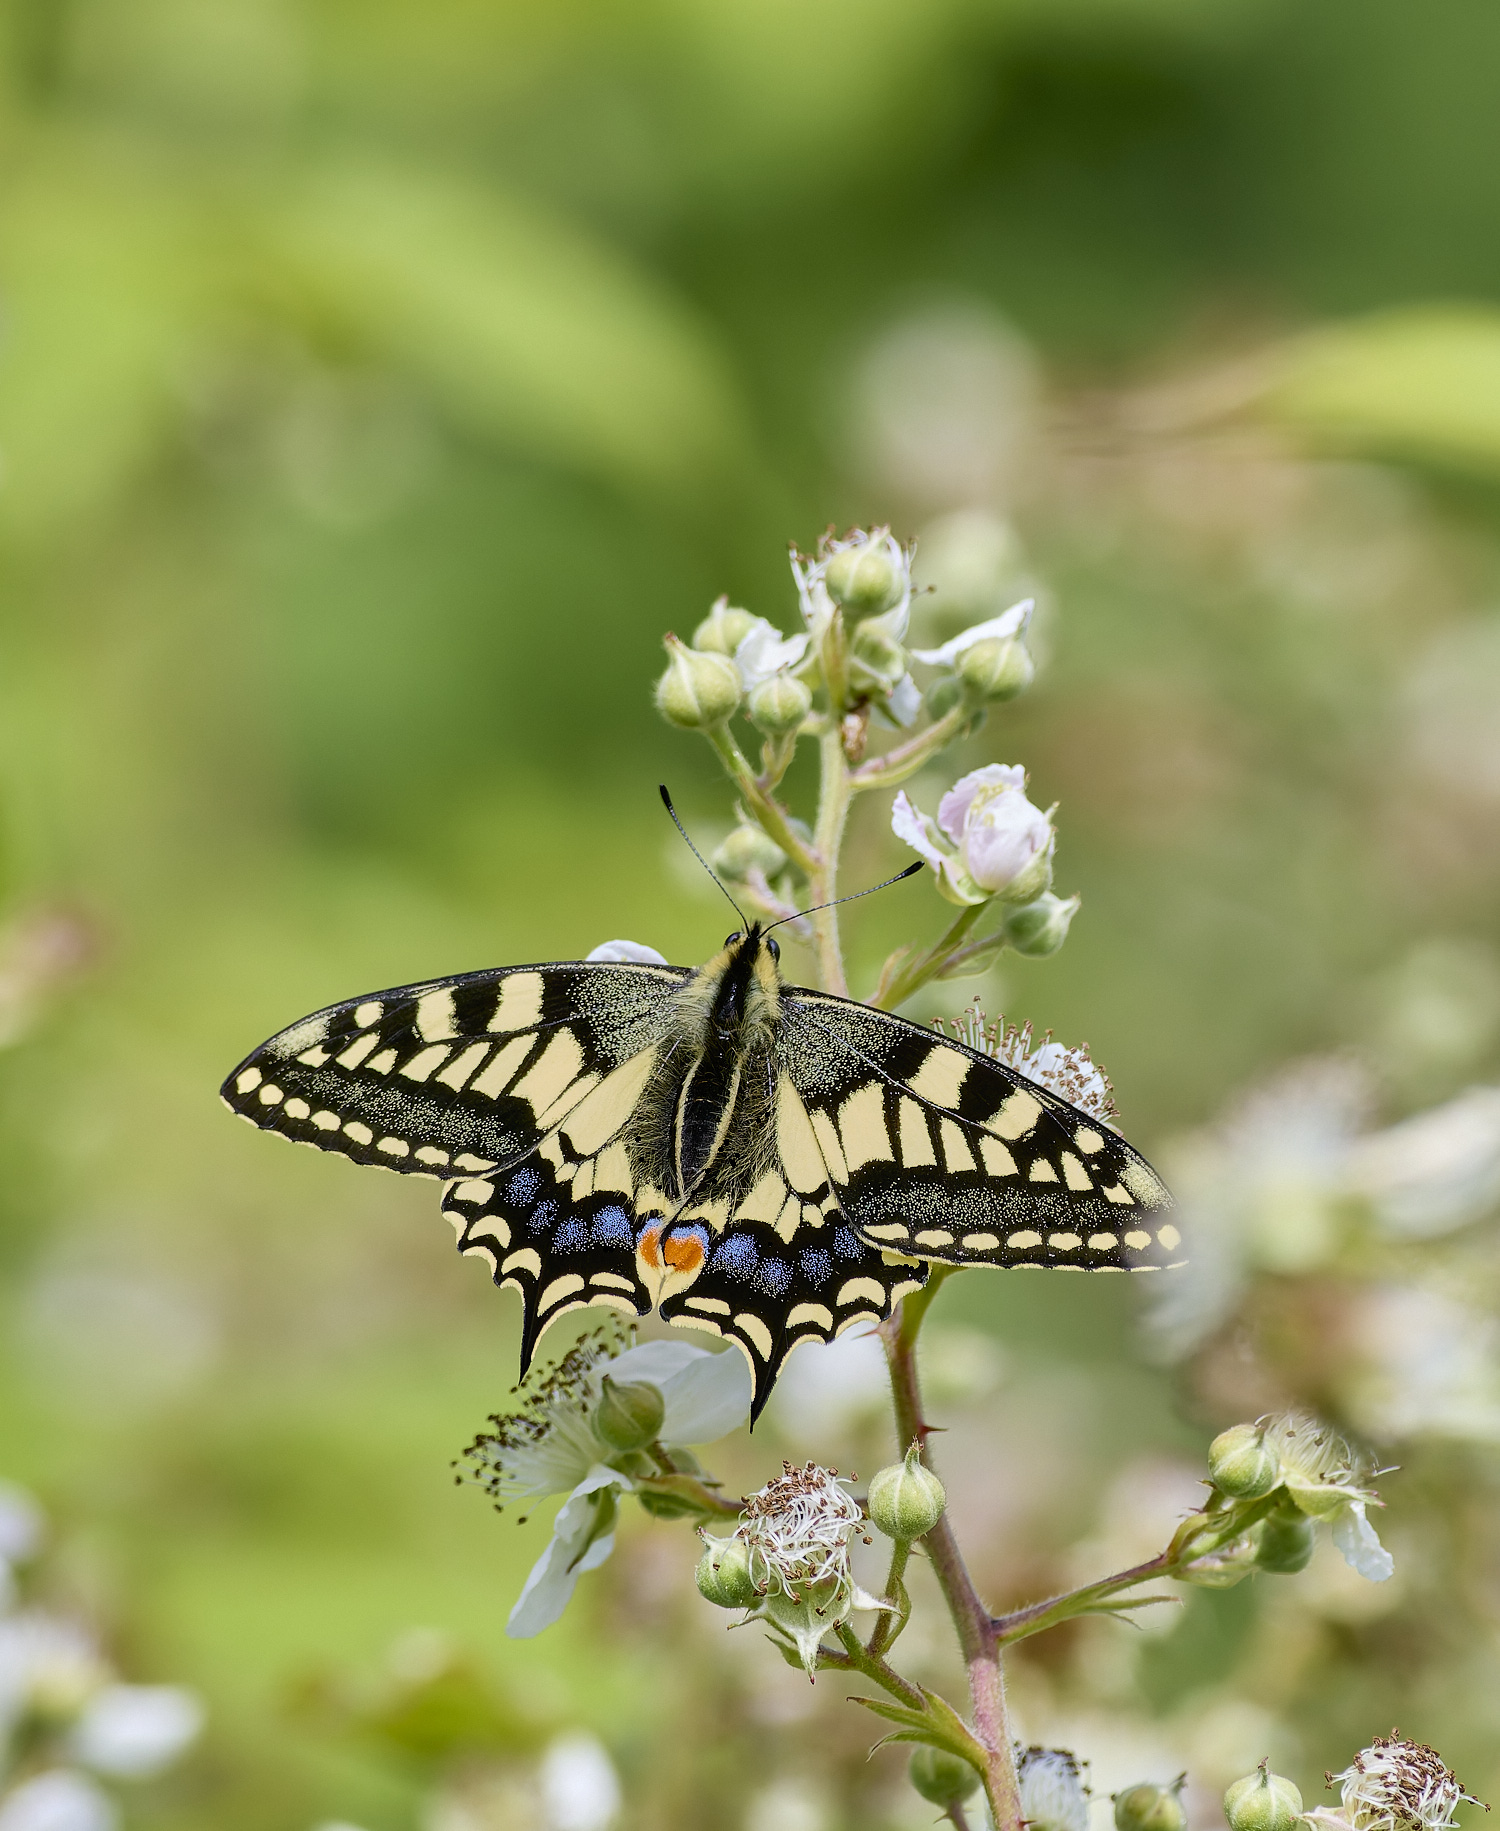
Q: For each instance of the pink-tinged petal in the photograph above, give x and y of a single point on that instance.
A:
(953, 809)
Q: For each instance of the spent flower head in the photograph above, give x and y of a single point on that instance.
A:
(1395, 1785)
(1054, 1794)
(1069, 1073)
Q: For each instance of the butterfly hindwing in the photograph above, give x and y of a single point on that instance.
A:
(451, 1076)
(779, 1263)
(944, 1152)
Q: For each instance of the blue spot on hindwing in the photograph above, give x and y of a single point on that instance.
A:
(523, 1186)
(775, 1275)
(846, 1245)
(542, 1216)
(612, 1227)
(737, 1256)
(572, 1236)
(816, 1265)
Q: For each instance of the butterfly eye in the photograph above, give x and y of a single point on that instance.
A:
(729, 940)
(773, 947)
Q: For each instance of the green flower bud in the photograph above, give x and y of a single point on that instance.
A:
(943, 1779)
(995, 669)
(1242, 1464)
(1263, 1801)
(867, 577)
(1286, 1542)
(723, 1575)
(629, 1414)
(748, 849)
(1039, 928)
(878, 652)
(906, 1500)
(699, 688)
(779, 705)
(1150, 1808)
(724, 628)
(942, 696)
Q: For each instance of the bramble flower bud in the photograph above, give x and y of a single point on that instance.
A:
(941, 1778)
(877, 652)
(867, 574)
(1286, 1542)
(1263, 1801)
(699, 688)
(906, 1500)
(723, 1574)
(1242, 1464)
(1038, 929)
(779, 705)
(724, 628)
(630, 1413)
(748, 849)
(1151, 1808)
(994, 670)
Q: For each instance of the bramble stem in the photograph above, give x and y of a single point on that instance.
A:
(977, 1636)
(768, 811)
(833, 811)
(899, 765)
(877, 1671)
(897, 986)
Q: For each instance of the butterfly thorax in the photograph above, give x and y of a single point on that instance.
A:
(714, 1085)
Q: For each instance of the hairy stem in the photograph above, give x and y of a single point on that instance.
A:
(888, 1626)
(898, 765)
(768, 811)
(977, 1637)
(877, 1671)
(833, 811)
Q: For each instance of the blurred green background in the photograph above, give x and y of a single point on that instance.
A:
(377, 383)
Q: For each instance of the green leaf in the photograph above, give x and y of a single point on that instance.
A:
(524, 325)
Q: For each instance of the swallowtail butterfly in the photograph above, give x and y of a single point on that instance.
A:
(766, 1162)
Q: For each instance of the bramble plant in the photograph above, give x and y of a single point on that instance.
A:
(612, 1420)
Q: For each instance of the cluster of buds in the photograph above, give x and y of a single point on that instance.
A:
(1293, 1471)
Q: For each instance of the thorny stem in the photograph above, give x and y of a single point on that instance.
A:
(833, 811)
(977, 1635)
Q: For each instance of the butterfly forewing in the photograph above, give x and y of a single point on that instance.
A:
(452, 1076)
(944, 1152)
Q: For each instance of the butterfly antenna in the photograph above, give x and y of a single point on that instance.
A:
(666, 801)
(853, 896)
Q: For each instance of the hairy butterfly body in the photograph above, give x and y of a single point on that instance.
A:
(766, 1162)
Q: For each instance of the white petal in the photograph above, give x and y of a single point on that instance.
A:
(905, 701)
(58, 1801)
(554, 1576)
(764, 651)
(908, 824)
(135, 1730)
(21, 1523)
(707, 1395)
(1009, 623)
(627, 951)
(1356, 1539)
(580, 1789)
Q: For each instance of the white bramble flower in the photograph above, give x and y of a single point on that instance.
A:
(550, 1446)
(1069, 1073)
(1328, 1479)
(796, 1531)
(1394, 1785)
(1054, 1794)
(627, 951)
(988, 839)
(810, 572)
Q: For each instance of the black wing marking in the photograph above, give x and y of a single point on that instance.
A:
(943, 1152)
(452, 1076)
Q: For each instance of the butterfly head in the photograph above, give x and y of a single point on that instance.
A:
(744, 981)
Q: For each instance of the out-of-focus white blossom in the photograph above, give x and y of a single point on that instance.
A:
(135, 1730)
(580, 1789)
(1054, 1796)
(1434, 1172)
(22, 1523)
(551, 1446)
(58, 1800)
(46, 1665)
(627, 951)
(1008, 624)
(1422, 1364)
(1261, 1189)
(988, 840)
